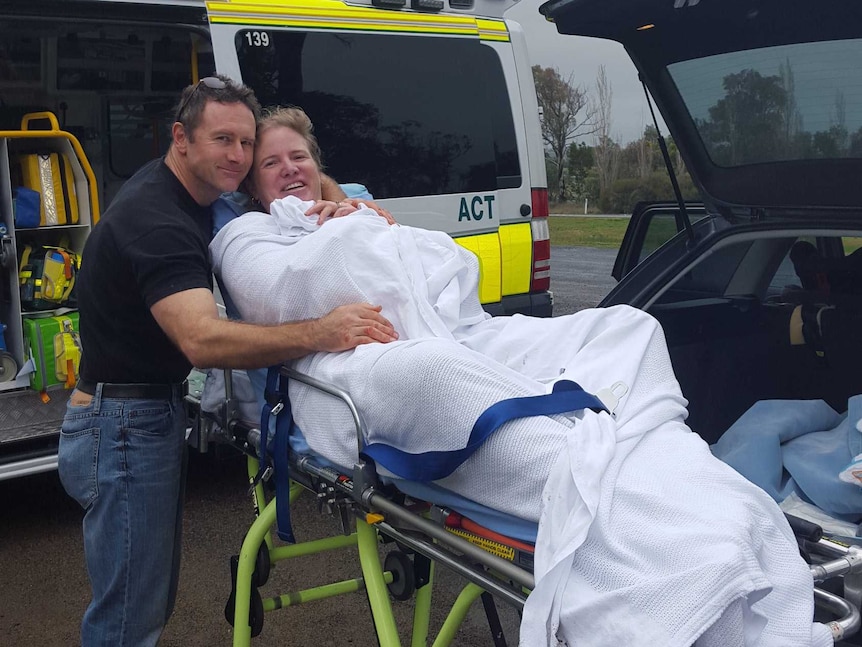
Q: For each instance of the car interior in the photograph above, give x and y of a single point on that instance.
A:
(776, 317)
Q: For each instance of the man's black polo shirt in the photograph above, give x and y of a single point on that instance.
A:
(150, 243)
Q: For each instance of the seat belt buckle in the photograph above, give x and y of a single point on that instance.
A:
(610, 396)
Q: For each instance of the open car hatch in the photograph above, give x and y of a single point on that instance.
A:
(763, 98)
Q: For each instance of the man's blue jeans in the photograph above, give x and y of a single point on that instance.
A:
(124, 461)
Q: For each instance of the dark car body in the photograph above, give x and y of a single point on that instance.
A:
(758, 288)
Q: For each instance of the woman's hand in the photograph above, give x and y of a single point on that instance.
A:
(327, 209)
(383, 213)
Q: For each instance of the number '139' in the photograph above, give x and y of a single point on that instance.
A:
(257, 38)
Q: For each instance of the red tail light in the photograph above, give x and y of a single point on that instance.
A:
(541, 278)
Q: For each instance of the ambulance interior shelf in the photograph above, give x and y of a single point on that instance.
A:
(40, 136)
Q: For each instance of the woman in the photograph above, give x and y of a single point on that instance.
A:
(644, 537)
(287, 162)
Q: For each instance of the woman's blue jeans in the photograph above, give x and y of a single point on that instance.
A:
(124, 461)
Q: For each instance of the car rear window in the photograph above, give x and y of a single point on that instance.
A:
(404, 115)
(791, 102)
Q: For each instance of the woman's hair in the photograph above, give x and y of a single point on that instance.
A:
(295, 119)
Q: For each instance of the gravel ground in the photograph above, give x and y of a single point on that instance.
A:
(45, 588)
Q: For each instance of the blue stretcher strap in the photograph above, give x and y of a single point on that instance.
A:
(434, 465)
(270, 401)
(276, 394)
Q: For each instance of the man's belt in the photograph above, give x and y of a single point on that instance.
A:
(129, 391)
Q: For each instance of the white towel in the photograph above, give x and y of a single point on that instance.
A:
(644, 537)
(681, 549)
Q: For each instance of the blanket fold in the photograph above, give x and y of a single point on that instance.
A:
(799, 447)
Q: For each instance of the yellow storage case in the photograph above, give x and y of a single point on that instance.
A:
(51, 175)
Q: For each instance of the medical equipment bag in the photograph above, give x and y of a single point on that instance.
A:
(54, 346)
(26, 208)
(47, 277)
(51, 175)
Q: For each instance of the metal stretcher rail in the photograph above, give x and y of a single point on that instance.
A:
(475, 576)
(847, 564)
(848, 622)
(503, 567)
(377, 501)
(377, 515)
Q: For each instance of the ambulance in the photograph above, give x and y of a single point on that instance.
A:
(429, 104)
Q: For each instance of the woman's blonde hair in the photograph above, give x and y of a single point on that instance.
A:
(295, 119)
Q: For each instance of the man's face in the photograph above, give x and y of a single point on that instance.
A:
(284, 166)
(220, 151)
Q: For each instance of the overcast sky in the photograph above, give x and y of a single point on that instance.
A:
(582, 57)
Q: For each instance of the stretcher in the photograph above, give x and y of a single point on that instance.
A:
(431, 527)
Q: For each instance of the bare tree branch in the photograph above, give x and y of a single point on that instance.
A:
(606, 151)
(567, 114)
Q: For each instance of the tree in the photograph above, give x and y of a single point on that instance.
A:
(675, 155)
(750, 123)
(605, 151)
(792, 120)
(579, 162)
(567, 114)
(839, 123)
(855, 148)
(646, 151)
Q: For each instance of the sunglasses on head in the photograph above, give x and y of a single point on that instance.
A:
(212, 82)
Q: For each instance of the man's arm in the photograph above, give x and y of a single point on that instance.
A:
(190, 319)
(330, 190)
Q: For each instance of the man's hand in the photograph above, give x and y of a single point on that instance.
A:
(349, 326)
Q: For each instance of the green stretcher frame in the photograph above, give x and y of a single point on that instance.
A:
(374, 579)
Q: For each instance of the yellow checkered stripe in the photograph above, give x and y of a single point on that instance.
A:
(331, 14)
(488, 545)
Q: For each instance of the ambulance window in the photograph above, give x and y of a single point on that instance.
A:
(404, 115)
(20, 59)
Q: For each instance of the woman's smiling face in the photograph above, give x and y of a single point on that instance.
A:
(283, 166)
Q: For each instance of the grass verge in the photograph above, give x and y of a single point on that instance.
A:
(587, 232)
(608, 233)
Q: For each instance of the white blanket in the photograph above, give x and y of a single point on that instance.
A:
(644, 537)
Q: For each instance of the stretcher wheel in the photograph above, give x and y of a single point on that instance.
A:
(404, 548)
(403, 583)
(262, 566)
(255, 610)
(255, 613)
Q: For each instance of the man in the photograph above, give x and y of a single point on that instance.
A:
(147, 315)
